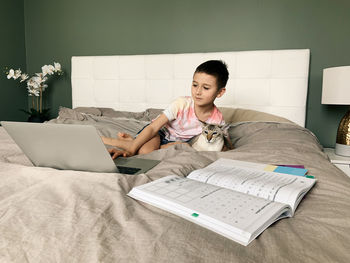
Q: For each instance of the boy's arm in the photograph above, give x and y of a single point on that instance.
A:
(145, 135)
(148, 133)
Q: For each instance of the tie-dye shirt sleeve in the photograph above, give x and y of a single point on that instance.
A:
(183, 123)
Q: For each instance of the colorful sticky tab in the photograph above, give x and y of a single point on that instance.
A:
(270, 168)
(292, 165)
(195, 215)
(290, 169)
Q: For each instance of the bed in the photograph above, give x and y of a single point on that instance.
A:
(49, 215)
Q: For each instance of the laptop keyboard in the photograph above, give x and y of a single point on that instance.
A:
(127, 170)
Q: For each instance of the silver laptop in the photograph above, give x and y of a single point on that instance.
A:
(70, 147)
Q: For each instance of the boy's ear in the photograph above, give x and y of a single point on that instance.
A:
(221, 92)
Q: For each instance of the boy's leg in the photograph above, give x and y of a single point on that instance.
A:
(124, 136)
(124, 144)
(150, 146)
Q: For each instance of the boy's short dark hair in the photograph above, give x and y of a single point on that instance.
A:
(216, 68)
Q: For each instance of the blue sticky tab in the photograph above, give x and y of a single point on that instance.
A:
(290, 170)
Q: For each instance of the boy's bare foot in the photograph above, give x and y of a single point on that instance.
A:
(124, 136)
(107, 140)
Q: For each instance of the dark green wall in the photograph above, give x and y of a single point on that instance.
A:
(12, 54)
(56, 30)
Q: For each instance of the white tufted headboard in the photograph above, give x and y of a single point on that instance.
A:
(272, 81)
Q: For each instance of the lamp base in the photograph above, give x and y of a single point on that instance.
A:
(342, 146)
(342, 149)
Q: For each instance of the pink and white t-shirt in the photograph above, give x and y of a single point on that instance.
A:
(183, 122)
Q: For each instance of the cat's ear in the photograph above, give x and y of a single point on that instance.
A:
(225, 127)
(227, 139)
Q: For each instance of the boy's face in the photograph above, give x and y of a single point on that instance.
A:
(205, 89)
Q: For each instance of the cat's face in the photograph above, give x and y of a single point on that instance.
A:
(212, 132)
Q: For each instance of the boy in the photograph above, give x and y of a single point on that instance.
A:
(181, 120)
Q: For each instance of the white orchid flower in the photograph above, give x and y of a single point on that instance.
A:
(33, 92)
(33, 83)
(37, 79)
(57, 66)
(52, 69)
(47, 70)
(36, 84)
(18, 73)
(11, 74)
(40, 75)
(40, 78)
(24, 77)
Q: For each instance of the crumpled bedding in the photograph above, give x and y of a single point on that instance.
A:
(49, 215)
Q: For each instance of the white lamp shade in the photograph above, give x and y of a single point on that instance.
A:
(336, 86)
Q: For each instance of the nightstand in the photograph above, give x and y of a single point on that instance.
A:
(342, 162)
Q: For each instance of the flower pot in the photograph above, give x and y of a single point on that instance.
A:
(39, 119)
(37, 116)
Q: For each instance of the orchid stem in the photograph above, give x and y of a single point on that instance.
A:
(41, 99)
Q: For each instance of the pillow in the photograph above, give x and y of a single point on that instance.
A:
(109, 112)
(80, 112)
(67, 113)
(89, 110)
(152, 113)
(233, 115)
(146, 115)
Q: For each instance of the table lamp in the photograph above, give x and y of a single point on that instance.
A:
(336, 90)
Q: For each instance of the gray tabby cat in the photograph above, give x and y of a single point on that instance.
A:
(214, 137)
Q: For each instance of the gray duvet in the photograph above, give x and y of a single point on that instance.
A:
(49, 215)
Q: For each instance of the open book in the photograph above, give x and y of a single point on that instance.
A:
(236, 199)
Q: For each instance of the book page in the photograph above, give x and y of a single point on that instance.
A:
(272, 186)
(233, 214)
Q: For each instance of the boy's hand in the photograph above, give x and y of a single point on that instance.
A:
(115, 153)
